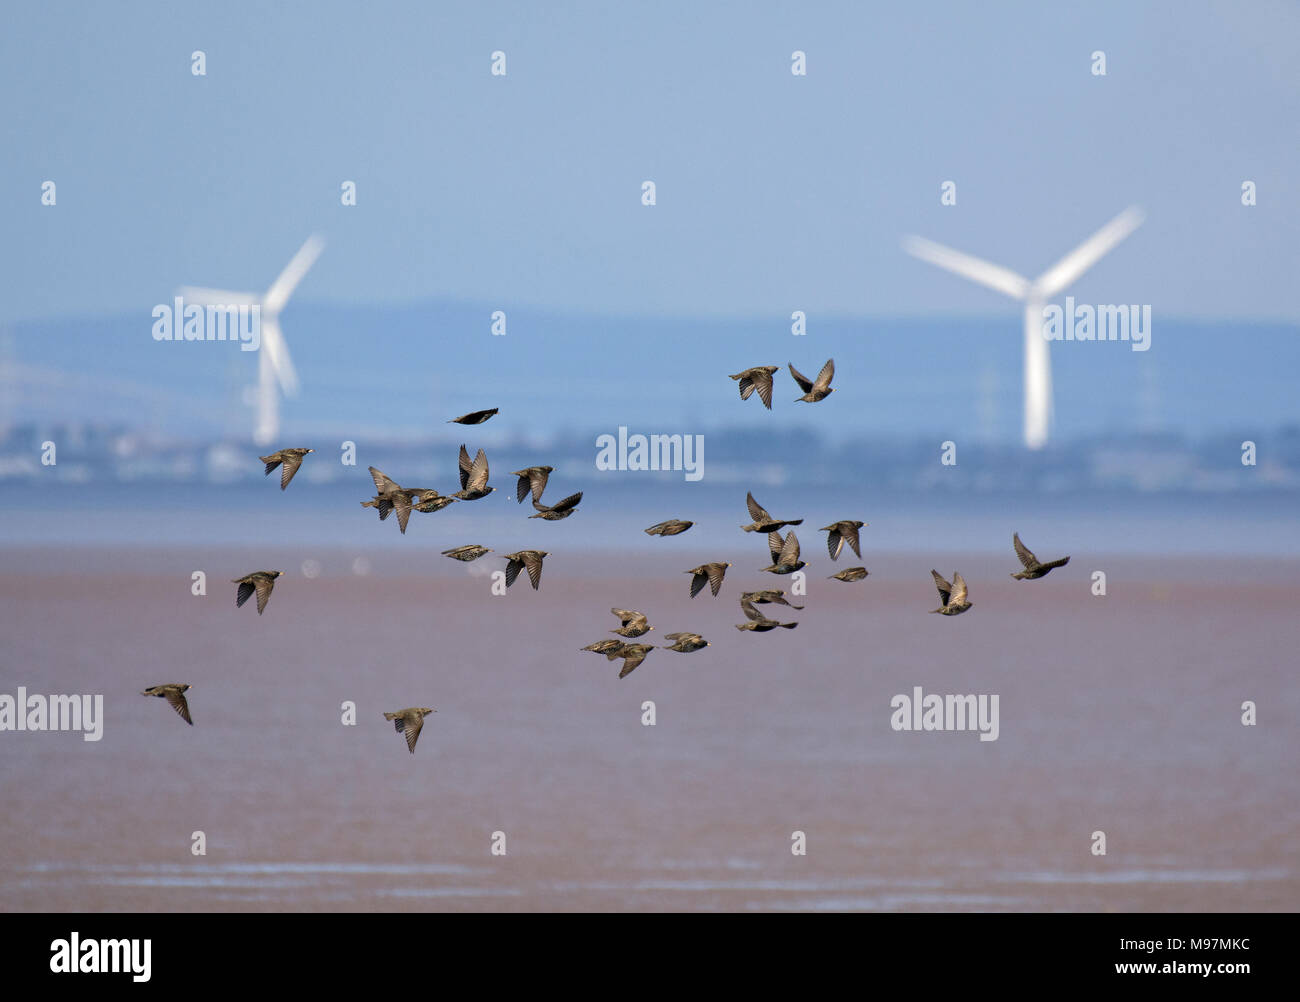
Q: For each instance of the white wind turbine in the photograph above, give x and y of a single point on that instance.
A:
(273, 362)
(1038, 366)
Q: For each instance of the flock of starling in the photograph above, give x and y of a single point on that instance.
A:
(782, 551)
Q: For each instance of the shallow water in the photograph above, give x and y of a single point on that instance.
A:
(1118, 713)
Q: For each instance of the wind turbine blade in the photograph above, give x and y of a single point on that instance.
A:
(283, 287)
(1088, 253)
(216, 297)
(277, 355)
(994, 276)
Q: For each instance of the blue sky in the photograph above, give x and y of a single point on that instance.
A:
(774, 192)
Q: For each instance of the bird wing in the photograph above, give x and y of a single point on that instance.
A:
(756, 511)
(569, 502)
(534, 565)
(264, 586)
(763, 383)
(245, 592)
(521, 489)
(289, 466)
(716, 574)
(1055, 563)
(478, 474)
(1024, 553)
(945, 589)
(655, 530)
(774, 544)
(413, 721)
(804, 382)
(465, 467)
(698, 581)
(402, 505)
(177, 701)
(825, 376)
(631, 661)
(626, 616)
(850, 533)
(790, 551)
(751, 612)
(537, 482)
(513, 567)
(382, 484)
(958, 589)
(746, 384)
(835, 543)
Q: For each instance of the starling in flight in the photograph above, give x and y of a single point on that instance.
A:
(632, 655)
(769, 595)
(474, 417)
(1033, 569)
(785, 554)
(673, 527)
(685, 643)
(532, 478)
(409, 721)
(763, 522)
(814, 390)
(473, 477)
(841, 533)
(466, 553)
(174, 693)
(259, 581)
(288, 460)
(756, 621)
(559, 510)
(758, 378)
(635, 624)
(953, 595)
(851, 574)
(531, 559)
(712, 574)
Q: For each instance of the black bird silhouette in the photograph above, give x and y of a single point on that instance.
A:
(474, 417)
